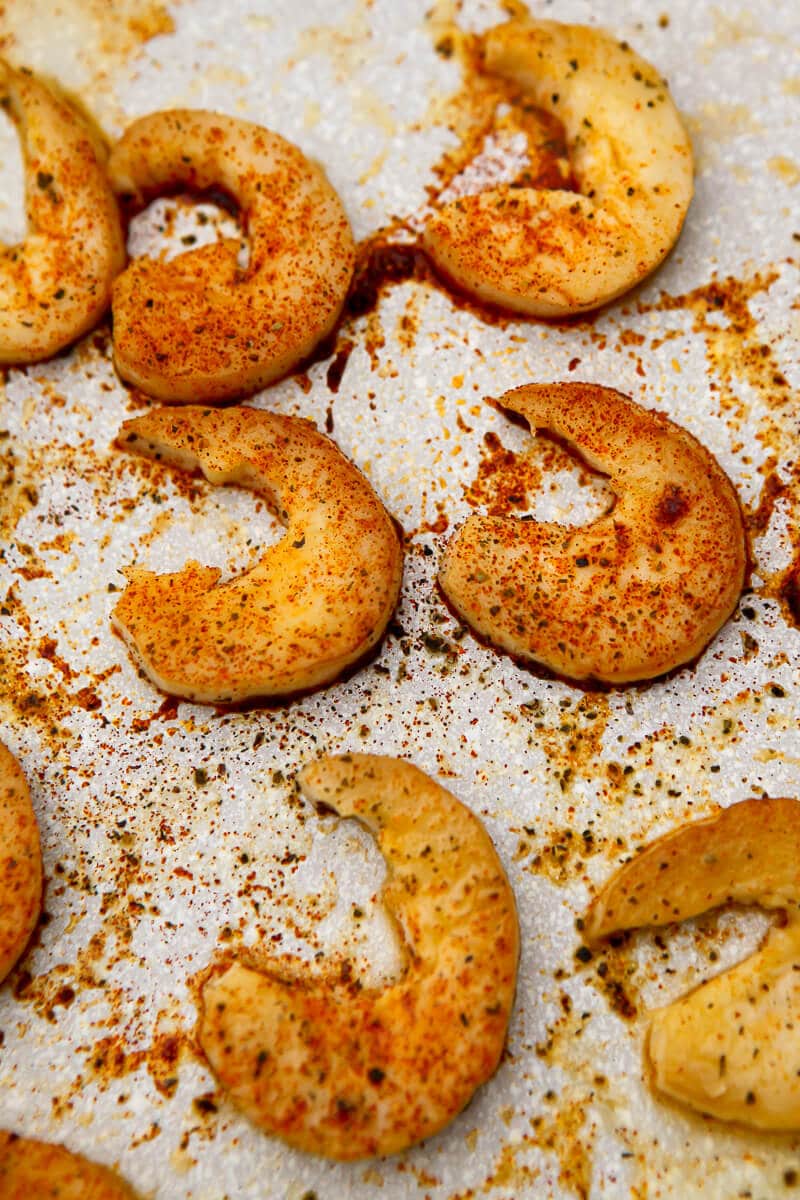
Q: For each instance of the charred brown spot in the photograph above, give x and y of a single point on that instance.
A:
(758, 519)
(337, 368)
(790, 592)
(379, 264)
(672, 506)
(344, 1110)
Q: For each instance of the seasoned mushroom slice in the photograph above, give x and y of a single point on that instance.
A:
(20, 863)
(315, 603)
(351, 1072)
(551, 253)
(639, 591)
(731, 1048)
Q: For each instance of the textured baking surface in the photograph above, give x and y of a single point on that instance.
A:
(171, 833)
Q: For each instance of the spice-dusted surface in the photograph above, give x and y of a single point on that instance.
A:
(171, 833)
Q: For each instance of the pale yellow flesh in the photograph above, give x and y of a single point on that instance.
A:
(20, 863)
(552, 253)
(635, 593)
(199, 327)
(56, 284)
(731, 1048)
(353, 1073)
(33, 1170)
(313, 605)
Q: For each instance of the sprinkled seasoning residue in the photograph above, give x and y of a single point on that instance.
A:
(515, 482)
(173, 839)
(505, 479)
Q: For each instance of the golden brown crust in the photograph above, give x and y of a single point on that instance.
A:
(731, 1047)
(199, 327)
(633, 594)
(56, 284)
(314, 604)
(552, 253)
(350, 1072)
(20, 863)
(33, 1170)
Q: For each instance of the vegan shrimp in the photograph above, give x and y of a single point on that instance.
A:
(351, 1072)
(635, 593)
(56, 284)
(202, 328)
(314, 604)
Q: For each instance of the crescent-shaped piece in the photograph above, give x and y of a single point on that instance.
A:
(552, 253)
(639, 591)
(20, 863)
(200, 326)
(56, 284)
(313, 605)
(33, 1170)
(730, 1048)
(351, 1072)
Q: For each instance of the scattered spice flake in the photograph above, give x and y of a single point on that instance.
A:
(110, 1059)
(782, 585)
(734, 347)
(507, 1171)
(573, 743)
(506, 479)
(562, 857)
(568, 1131)
(613, 973)
(18, 488)
(440, 523)
(166, 711)
(45, 703)
(409, 323)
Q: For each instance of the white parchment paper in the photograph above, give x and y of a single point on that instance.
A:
(171, 831)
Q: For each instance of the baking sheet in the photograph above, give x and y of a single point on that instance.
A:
(170, 831)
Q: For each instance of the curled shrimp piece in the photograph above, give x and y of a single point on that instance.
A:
(314, 604)
(201, 326)
(33, 1170)
(20, 863)
(351, 1072)
(631, 595)
(731, 1048)
(56, 284)
(551, 253)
